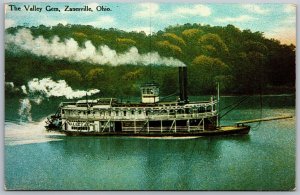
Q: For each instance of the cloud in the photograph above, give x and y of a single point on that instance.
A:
(242, 18)
(93, 5)
(9, 23)
(147, 29)
(255, 9)
(290, 8)
(286, 35)
(147, 10)
(284, 31)
(103, 21)
(52, 22)
(199, 9)
(289, 21)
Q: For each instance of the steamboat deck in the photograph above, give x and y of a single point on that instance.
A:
(150, 117)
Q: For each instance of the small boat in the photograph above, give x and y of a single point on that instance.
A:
(148, 118)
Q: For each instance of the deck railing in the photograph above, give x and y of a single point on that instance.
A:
(142, 117)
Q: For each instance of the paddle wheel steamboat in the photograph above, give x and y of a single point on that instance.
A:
(150, 117)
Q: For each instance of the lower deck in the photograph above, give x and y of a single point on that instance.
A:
(137, 126)
(226, 130)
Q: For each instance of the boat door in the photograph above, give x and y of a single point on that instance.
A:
(118, 126)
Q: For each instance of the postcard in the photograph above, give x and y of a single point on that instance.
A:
(150, 96)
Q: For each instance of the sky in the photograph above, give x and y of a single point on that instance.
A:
(275, 20)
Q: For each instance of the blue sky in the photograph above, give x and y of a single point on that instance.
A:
(275, 20)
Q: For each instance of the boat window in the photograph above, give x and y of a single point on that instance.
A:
(180, 111)
(208, 109)
(201, 110)
(132, 112)
(140, 112)
(124, 113)
(171, 112)
(88, 112)
(117, 113)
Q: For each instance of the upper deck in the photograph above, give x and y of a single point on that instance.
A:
(110, 109)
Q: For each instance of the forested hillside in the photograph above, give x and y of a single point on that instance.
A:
(244, 62)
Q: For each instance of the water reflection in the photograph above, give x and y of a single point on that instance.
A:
(156, 164)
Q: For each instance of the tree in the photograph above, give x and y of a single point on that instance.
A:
(173, 38)
(212, 45)
(94, 75)
(71, 76)
(203, 73)
(168, 49)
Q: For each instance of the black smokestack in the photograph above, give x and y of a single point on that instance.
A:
(182, 73)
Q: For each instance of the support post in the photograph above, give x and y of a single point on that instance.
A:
(161, 130)
(109, 127)
(198, 126)
(108, 122)
(134, 126)
(148, 126)
(218, 104)
(175, 126)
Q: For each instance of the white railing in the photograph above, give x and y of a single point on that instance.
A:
(142, 117)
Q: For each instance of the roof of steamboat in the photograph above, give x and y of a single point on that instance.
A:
(99, 103)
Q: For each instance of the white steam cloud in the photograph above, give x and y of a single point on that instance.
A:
(37, 90)
(24, 110)
(69, 49)
(49, 88)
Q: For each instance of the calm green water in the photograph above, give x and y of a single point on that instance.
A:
(262, 160)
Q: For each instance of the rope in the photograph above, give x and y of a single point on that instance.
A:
(171, 95)
(261, 105)
(235, 106)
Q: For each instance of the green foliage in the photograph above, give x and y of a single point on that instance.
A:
(212, 45)
(125, 41)
(94, 75)
(134, 75)
(70, 76)
(124, 44)
(174, 39)
(243, 61)
(204, 72)
(169, 49)
(191, 33)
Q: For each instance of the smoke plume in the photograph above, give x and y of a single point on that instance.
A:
(37, 90)
(49, 88)
(24, 110)
(70, 50)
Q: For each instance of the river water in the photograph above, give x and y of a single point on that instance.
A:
(263, 160)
